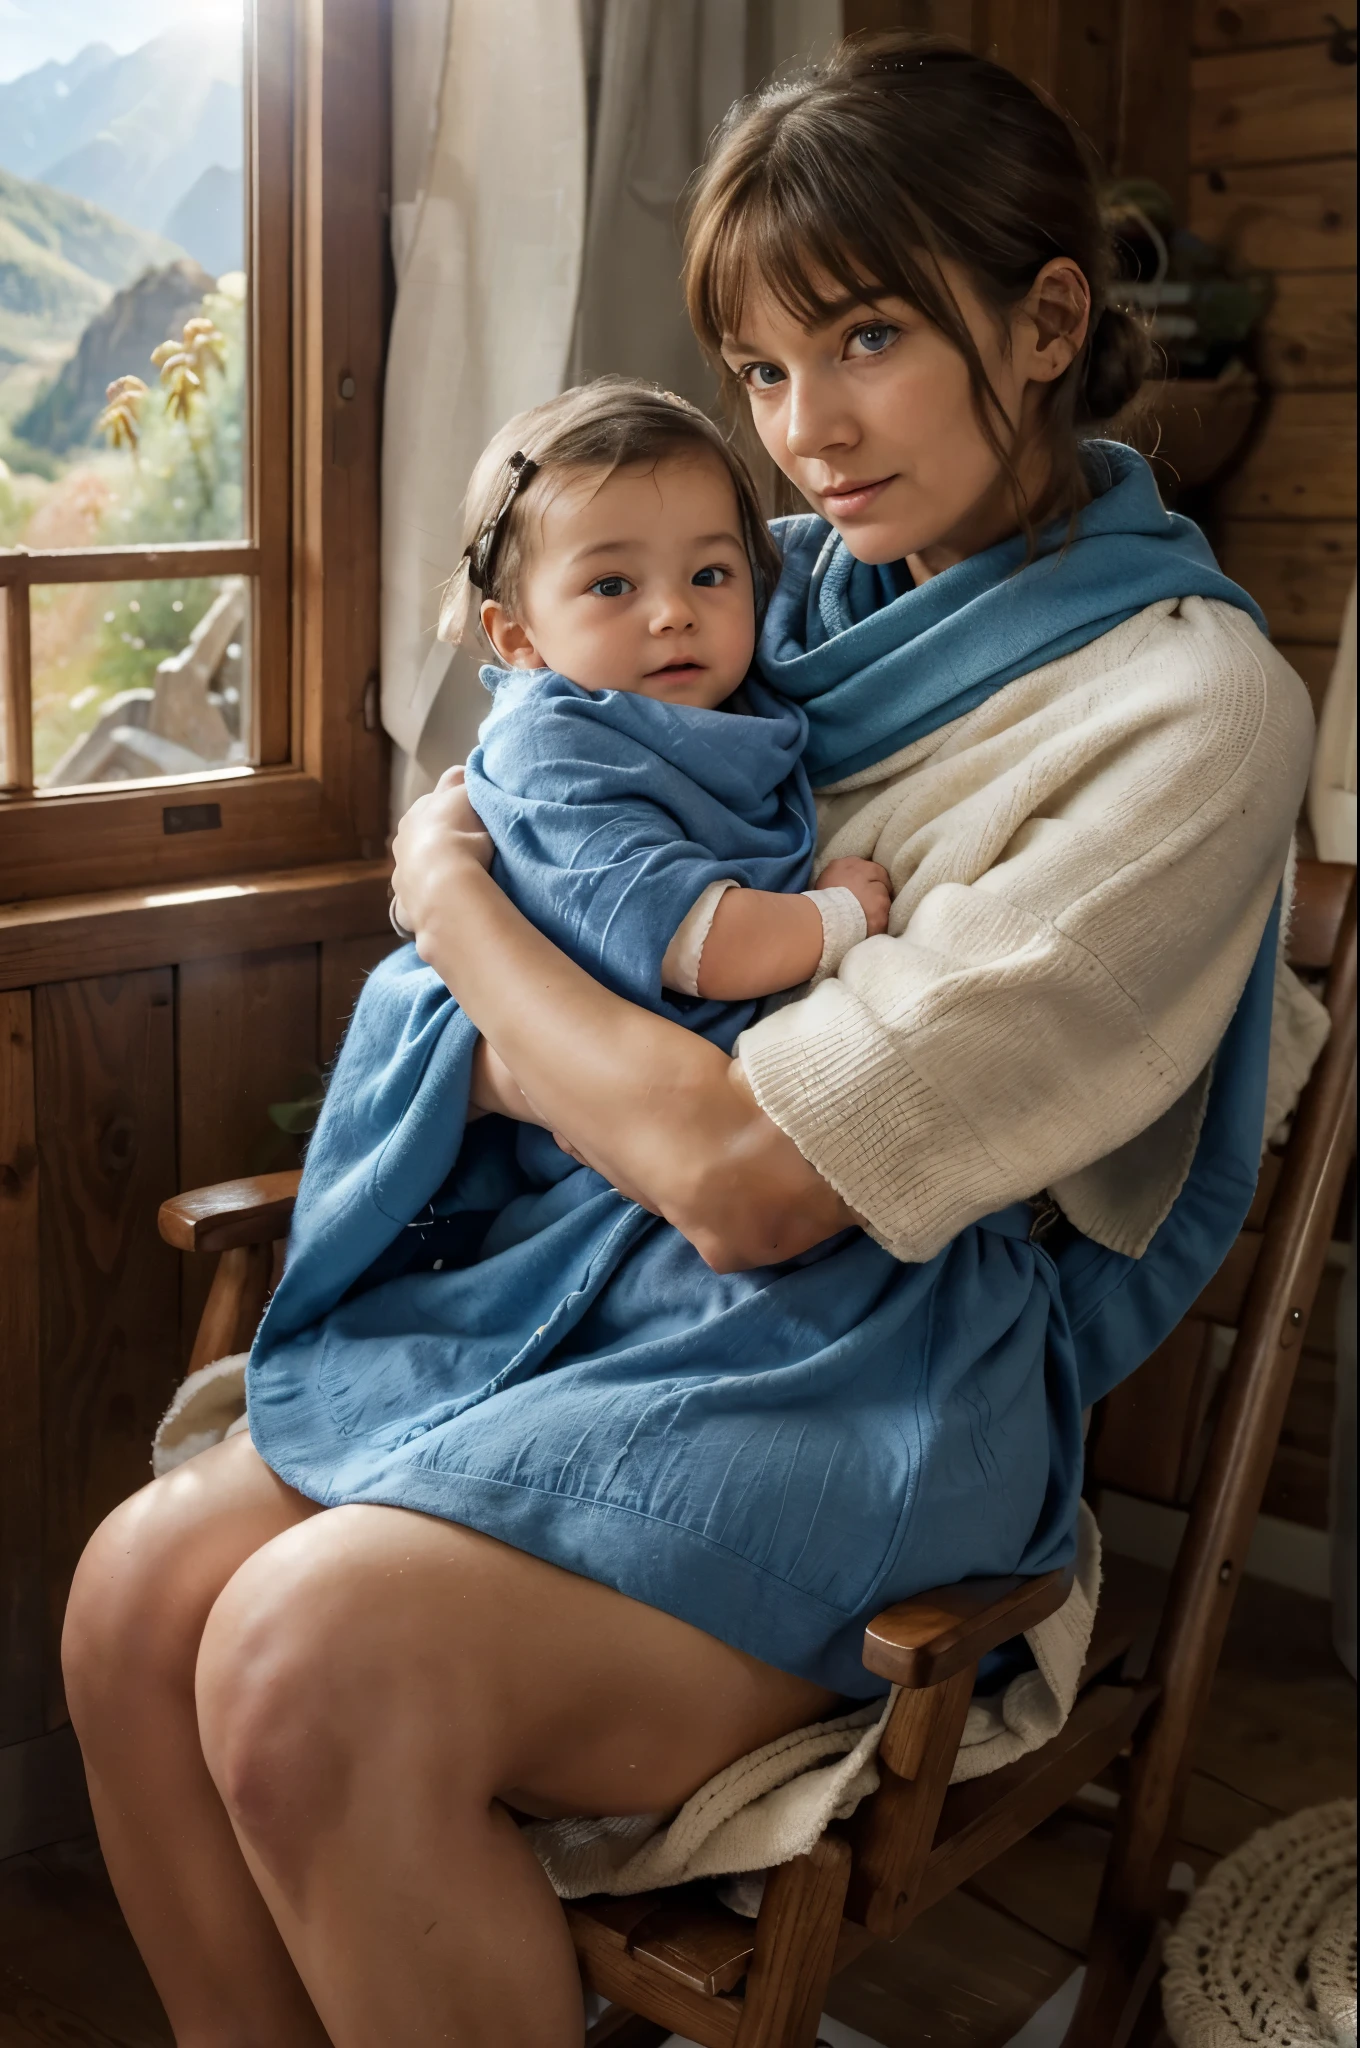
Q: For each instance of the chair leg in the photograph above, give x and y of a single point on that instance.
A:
(1227, 1500)
(1119, 1996)
(618, 2028)
(1124, 1960)
(1148, 2028)
(800, 1919)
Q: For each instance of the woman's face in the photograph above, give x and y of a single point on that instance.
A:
(872, 416)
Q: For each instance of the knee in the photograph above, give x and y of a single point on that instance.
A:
(128, 1617)
(276, 1709)
(316, 1708)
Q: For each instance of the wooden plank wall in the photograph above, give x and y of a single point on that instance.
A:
(21, 1578)
(1120, 68)
(116, 1091)
(104, 1067)
(1272, 151)
(1272, 154)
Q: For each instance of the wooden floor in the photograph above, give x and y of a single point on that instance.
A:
(1280, 1735)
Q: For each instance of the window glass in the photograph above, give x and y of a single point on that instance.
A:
(123, 366)
(137, 680)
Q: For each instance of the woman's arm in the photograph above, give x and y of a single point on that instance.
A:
(664, 1115)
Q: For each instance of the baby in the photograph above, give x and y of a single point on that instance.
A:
(644, 794)
(616, 545)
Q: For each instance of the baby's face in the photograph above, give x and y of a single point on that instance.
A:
(637, 582)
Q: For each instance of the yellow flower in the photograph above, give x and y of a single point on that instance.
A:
(121, 418)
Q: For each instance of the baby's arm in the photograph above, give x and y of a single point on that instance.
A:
(760, 941)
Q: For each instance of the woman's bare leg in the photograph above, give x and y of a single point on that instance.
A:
(373, 1684)
(143, 1591)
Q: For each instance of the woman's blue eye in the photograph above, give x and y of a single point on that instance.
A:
(877, 337)
(763, 376)
(610, 586)
(711, 577)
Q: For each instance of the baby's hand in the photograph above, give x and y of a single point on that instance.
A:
(867, 881)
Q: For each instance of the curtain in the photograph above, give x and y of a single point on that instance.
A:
(540, 151)
(488, 257)
(663, 73)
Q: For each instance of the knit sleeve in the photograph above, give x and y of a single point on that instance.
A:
(1081, 882)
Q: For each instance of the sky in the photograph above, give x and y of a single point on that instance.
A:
(32, 31)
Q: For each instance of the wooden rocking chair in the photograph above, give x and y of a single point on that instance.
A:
(1178, 1432)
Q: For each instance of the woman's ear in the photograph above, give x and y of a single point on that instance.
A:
(510, 639)
(1055, 317)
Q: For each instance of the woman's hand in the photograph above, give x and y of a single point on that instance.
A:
(439, 835)
(868, 882)
(495, 1091)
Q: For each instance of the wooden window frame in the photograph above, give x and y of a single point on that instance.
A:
(317, 155)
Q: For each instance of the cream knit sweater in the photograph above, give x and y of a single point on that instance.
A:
(1082, 868)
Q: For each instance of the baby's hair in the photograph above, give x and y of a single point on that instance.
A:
(611, 423)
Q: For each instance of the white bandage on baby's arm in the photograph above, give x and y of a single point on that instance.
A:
(843, 926)
(680, 967)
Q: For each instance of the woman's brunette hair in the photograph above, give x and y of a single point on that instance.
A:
(863, 176)
(593, 429)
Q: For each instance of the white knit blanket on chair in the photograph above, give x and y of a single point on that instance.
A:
(773, 1804)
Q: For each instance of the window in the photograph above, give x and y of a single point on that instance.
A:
(189, 382)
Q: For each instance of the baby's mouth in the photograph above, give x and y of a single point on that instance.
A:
(677, 668)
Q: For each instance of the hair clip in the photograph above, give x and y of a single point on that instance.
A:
(480, 555)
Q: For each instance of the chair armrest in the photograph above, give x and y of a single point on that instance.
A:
(234, 1212)
(931, 1637)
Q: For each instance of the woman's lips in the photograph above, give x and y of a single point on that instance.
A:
(845, 500)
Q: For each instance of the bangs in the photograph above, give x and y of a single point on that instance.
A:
(815, 243)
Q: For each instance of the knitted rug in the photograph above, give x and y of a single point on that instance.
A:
(1264, 1956)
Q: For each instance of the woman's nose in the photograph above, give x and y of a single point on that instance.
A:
(812, 425)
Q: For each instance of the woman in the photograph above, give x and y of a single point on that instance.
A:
(1080, 765)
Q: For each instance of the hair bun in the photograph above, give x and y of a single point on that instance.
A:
(1117, 360)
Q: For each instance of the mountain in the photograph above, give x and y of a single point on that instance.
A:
(133, 133)
(118, 340)
(35, 110)
(210, 220)
(59, 257)
(80, 233)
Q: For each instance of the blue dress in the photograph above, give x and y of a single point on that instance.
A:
(473, 1326)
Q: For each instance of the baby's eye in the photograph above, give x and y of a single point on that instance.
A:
(760, 376)
(876, 337)
(610, 586)
(711, 577)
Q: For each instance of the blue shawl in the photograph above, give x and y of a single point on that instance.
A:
(877, 663)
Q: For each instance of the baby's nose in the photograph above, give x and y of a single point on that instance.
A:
(674, 612)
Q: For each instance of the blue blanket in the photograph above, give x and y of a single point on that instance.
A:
(473, 1326)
